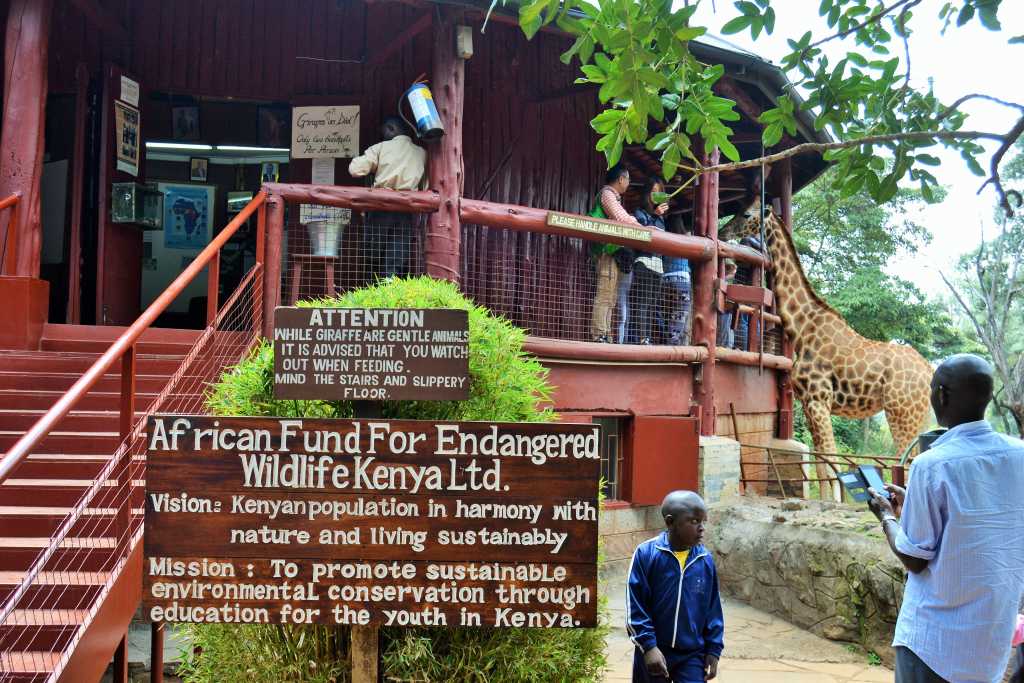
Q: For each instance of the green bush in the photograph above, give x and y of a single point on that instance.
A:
(507, 385)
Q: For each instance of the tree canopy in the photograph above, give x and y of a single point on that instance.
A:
(656, 92)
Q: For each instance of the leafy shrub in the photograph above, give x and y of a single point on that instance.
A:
(507, 385)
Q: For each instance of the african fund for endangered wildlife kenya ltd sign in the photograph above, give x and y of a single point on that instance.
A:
(364, 521)
(371, 354)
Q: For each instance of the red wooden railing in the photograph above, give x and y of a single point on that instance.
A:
(124, 469)
(9, 252)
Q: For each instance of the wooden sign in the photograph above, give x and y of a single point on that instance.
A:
(397, 523)
(322, 132)
(371, 354)
(597, 226)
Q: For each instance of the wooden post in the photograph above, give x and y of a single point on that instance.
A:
(77, 170)
(705, 297)
(785, 188)
(213, 289)
(364, 643)
(156, 653)
(272, 265)
(24, 116)
(120, 673)
(445, 157)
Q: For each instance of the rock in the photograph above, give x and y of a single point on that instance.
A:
(792, 504)
(779, 519)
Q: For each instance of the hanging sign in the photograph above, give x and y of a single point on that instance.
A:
(126, 137)
(389, 522)
(371, 354)
(595, 227)
(320, 132)
(129, 91)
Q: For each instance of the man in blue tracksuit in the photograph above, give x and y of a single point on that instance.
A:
(673, 611)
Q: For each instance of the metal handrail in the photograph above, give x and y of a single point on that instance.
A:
(123, 346)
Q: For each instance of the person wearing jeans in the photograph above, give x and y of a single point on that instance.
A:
(647, 268)
(613, 268)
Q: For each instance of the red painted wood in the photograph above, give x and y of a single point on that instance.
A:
(75, 204)
(665, 457)
(445, 155)
(647, 389)
(24, 114)
(272, 277)
(705, 314)
(26, 302)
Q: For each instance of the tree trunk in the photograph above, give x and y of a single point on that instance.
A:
(1017, 409)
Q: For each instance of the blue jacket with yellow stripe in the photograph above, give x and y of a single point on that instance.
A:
(676, 608)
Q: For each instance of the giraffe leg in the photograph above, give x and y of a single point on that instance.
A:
(906, 421)
(819, 419)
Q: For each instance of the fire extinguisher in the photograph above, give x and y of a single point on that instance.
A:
(421, 102)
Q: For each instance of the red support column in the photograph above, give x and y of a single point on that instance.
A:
(24, 115)
(705, 297)
(785, 180)
(272, 265)
(445, 157)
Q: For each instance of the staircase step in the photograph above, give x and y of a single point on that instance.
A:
(109, 333)
(99, 346)
(58, 466)
(76, 421)
(46, 629)
(37, 521)
(46, 492)
(58, 590)
(78, 363)
(67, 442)
(18, 553)
(13, 399)
(28, 666)
(62, 381)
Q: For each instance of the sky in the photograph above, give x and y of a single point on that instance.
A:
(965, 60)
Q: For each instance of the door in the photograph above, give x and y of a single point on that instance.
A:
(119, 245)
(665, 455)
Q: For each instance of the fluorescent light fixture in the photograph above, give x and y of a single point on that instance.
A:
(178, 145)
(241, 148)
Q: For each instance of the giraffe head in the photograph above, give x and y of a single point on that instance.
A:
(746, 223)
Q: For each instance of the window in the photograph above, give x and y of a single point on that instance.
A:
(613, 430)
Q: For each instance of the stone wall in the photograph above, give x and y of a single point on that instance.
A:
(822, 566)
(622, 529)
(719, 469)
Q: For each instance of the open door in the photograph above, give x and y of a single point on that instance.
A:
(119, 245)
(665, 456)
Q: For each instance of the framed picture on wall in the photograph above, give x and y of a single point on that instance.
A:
(270, 172)
(197, 169)
(273, 126)
(185, 123)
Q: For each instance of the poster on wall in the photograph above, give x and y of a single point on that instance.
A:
(319, 132)
(187, 216)
(126, 137)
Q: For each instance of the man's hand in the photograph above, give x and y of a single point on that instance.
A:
(661, 209)
(899, 494)
(657, 667)
(710, 666)
(879, 505)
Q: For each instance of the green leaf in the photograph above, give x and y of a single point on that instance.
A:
(928, 159)
(670, 162)
(728, 149)
(772, 134)
(965, 15)
(736, 25)
(1016, 39)
(690, 32)
(607, 120)
(987, 15)
(769, 20)
(593, 73)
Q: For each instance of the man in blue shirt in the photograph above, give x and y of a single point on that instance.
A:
(959, 530)
(673, 611)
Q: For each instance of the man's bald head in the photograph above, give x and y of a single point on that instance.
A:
(681, 502)
(961, 389)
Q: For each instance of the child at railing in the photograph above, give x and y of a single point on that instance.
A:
(677, 292)
(726, 338)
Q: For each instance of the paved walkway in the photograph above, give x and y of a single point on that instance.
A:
(760, 648)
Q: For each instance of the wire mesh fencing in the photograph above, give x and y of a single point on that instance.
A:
(43, 618)
(328, 258)
(576, 290)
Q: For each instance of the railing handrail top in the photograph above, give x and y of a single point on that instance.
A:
(23, 447)
(10, 200)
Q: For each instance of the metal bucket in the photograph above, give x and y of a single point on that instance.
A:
(324, 237)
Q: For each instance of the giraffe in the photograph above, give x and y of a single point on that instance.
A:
(835, 370)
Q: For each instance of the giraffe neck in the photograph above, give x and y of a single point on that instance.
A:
(797, 301)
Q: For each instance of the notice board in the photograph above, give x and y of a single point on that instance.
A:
(384, 522)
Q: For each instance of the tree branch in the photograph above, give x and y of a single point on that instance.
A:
(1004, 195)
(963, 305)
(977, 96)
(874, 18)
(819, 147)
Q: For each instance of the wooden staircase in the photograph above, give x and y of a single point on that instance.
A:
(44, 489)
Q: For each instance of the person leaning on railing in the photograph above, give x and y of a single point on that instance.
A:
(397, 163)
(614, 264)
(647, 268)
(677, 292)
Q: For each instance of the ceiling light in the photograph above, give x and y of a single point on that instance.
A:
(178, 145)
(241, 148)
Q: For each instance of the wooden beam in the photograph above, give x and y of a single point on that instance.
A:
(74, 312)
(390, 47)
(103, 19)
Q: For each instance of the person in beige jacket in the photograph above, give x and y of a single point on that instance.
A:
(397, 163)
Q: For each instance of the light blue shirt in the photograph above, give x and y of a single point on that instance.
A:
(964, 513)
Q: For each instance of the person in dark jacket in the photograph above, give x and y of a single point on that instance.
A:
(647, 269)
(673, 610)
(676, 292)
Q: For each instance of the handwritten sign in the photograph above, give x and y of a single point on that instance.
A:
(375, 354)
(398, 523)
(596, 226)
(319, 132)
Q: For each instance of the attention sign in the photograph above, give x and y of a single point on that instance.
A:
(371, 354)
(387, 522)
